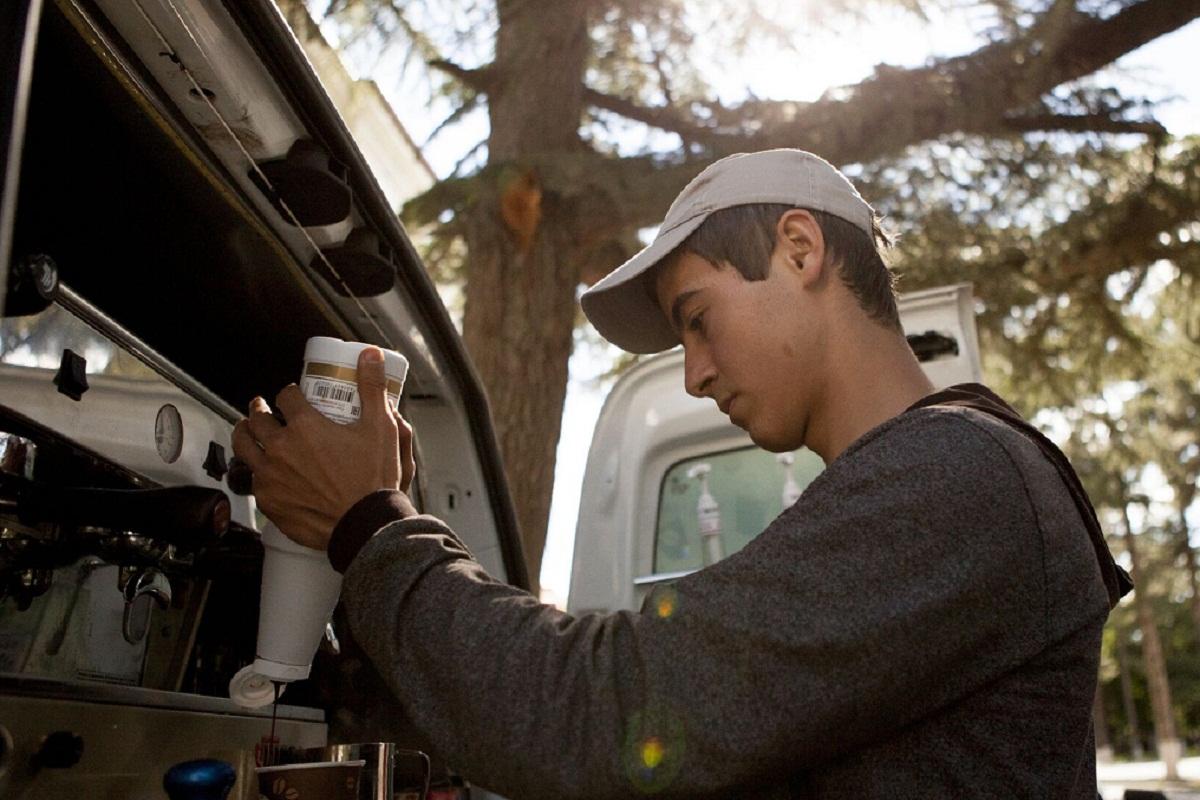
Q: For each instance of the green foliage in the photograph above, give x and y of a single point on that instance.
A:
(1059, 235)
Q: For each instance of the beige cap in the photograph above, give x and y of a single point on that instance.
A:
(622, 304)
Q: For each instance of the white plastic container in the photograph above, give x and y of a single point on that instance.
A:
(329, 378)
(299, 587)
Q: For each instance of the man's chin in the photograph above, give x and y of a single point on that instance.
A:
(774, 441)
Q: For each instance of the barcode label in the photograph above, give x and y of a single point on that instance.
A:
(337, 392)
(337, 400)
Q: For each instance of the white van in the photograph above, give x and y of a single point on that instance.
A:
(672, 486)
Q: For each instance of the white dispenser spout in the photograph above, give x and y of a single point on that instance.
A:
(791, 489)
(708, 514)
(299, 592)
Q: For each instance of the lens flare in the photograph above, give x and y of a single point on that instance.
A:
(652, 752)
(666, 600)
(654, 749)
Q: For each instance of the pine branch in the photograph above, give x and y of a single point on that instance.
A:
(667, 118)
(420, 42)
(458, 165)
(481, 80)
(1079, 123)
(456, 115)
(971, 93)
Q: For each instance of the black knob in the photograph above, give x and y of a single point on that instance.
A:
(215, 464)
(71, 379)
(59, 750)
(32, 285)
(309, 181)
(240, 477)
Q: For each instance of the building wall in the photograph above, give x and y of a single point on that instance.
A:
(394, 158)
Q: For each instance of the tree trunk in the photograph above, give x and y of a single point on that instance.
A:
(1185, 493)
(1104, 750)
(1190, 556)
(520, 337)
(1136, 751)
(523, 266)
(1169, 747)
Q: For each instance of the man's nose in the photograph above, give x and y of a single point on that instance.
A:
(698, 372)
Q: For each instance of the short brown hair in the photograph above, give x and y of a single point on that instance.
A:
(744, 236)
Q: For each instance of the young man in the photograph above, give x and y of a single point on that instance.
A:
(924, 622)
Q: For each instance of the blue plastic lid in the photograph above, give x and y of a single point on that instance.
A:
(202, 779)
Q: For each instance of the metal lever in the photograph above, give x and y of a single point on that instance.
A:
(145, 588)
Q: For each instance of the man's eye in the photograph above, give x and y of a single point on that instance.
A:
(696, 323)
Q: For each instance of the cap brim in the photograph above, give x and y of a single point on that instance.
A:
(622, 305)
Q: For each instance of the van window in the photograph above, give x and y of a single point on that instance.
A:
(747, 487)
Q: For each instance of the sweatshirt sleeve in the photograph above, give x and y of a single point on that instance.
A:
(902, 581)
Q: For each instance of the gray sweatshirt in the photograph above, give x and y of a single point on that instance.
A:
(924, 622)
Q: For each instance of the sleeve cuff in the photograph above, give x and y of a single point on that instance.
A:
(364, 519)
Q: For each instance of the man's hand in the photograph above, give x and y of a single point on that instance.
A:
(309, 472)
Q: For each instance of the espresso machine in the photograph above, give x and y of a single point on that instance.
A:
(131, 575)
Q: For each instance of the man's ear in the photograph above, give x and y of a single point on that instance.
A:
(801, 244)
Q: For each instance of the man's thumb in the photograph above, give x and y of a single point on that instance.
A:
(372, 382)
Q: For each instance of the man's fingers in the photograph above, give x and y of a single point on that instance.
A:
(372, 383)
(408, 463)
(244, 445)
(292, 402)
(261, 423)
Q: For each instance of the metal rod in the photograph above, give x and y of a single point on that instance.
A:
(647, 580)
(114, 331)
(12, 685)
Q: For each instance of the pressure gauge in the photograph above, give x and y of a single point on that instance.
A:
(168, 433)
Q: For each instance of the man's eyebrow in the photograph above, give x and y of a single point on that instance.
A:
(677, 306)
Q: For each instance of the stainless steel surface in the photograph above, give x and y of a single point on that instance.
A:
(112, 329)
(381, 770)
(86, 567)
(11, 684)
(127, 748)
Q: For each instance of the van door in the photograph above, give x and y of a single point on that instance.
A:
(672, 486)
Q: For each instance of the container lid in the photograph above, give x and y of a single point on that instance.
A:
(251, 689)
(328, 350)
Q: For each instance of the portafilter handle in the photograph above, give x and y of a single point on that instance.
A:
(187, 516)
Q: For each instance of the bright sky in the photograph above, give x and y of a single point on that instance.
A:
(1163, 69)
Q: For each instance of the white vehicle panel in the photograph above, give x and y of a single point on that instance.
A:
(649, 423)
